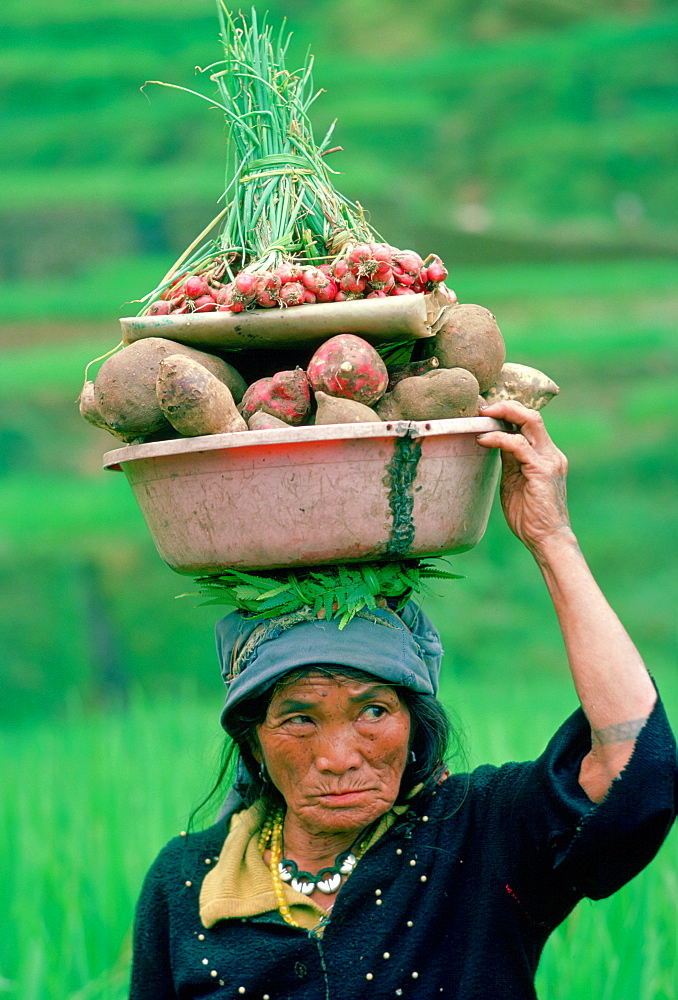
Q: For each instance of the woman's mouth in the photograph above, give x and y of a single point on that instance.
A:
(352, 797)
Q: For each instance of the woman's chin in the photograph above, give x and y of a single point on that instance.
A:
(344, 813)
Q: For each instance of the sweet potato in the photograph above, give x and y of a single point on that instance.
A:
(349, 367)
(124, 389)
(437, 395)
(262, 421)
(89, 409)
(396, 373)
(524, 384)
(386, 408)
(286, 395)
(470, 339)
(194, 400)
(335, 410)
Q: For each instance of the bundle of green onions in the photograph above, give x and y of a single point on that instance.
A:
(279, 199)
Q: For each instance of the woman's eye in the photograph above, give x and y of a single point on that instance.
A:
(374, 711)
(299, 720)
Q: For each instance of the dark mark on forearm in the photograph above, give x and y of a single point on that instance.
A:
(619, 733)
(561, 500)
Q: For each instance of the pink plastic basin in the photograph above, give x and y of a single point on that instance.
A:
(312, 495)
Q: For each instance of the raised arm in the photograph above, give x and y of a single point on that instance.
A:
(612, 683)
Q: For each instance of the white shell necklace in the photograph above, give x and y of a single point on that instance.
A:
(327, 880)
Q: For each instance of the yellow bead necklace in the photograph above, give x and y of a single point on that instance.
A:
(271, 837)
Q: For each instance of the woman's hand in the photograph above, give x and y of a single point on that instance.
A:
(533, 483)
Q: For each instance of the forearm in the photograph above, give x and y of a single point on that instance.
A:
(613, 685)
(614, 688)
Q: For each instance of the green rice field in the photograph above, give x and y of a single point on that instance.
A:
(90, 798)
(530, 146)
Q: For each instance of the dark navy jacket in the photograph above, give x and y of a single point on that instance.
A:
(456, 900)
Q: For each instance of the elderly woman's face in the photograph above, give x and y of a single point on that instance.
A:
(335, 748)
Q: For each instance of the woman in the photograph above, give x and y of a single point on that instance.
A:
(348, 862)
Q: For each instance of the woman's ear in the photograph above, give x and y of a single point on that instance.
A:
(256, 750)
(414, 726)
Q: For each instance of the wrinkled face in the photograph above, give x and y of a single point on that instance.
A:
(335, 748)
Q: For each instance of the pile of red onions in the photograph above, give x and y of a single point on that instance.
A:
(365, 271)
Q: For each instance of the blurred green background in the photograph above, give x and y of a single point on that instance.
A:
(533, 146)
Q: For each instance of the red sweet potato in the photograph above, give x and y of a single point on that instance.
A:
(285, 395)
(349, 367)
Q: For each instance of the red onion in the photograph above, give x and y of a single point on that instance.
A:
(328, 293)
(204, 303)
(409, 261)
(287, 272)
(158, 308)
(292, 293)
(195, 286)
(352, 284)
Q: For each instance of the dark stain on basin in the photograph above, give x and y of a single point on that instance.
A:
(401, 472)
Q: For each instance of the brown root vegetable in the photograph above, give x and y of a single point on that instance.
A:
(527, 385)
(89, 409)
(286, 395)
(124, 389)
(262, 421)
(396, 373)
(387, 409)
(348, 367)
(335, 410)
(194, 400)
(438, 395)
(469, 338)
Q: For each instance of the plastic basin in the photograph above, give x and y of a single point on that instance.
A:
(314, 495)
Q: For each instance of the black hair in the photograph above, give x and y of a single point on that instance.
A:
(431, 734)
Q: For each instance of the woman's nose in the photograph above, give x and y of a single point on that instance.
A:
(338, 752)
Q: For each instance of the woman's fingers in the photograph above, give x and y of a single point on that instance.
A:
(532, 488)
(529, 448)
(513, 446)
(529, 444)
(529, 422)
(543, 457)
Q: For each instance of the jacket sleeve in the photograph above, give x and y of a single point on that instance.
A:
(151, 968)
(590, 849)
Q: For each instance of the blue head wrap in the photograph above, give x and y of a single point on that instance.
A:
(255, 653)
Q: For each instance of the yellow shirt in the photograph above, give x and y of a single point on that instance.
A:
(240, 884)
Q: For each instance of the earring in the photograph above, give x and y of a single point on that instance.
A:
(413, 756)
(263, 776)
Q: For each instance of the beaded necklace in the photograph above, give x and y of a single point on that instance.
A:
(327, 880)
